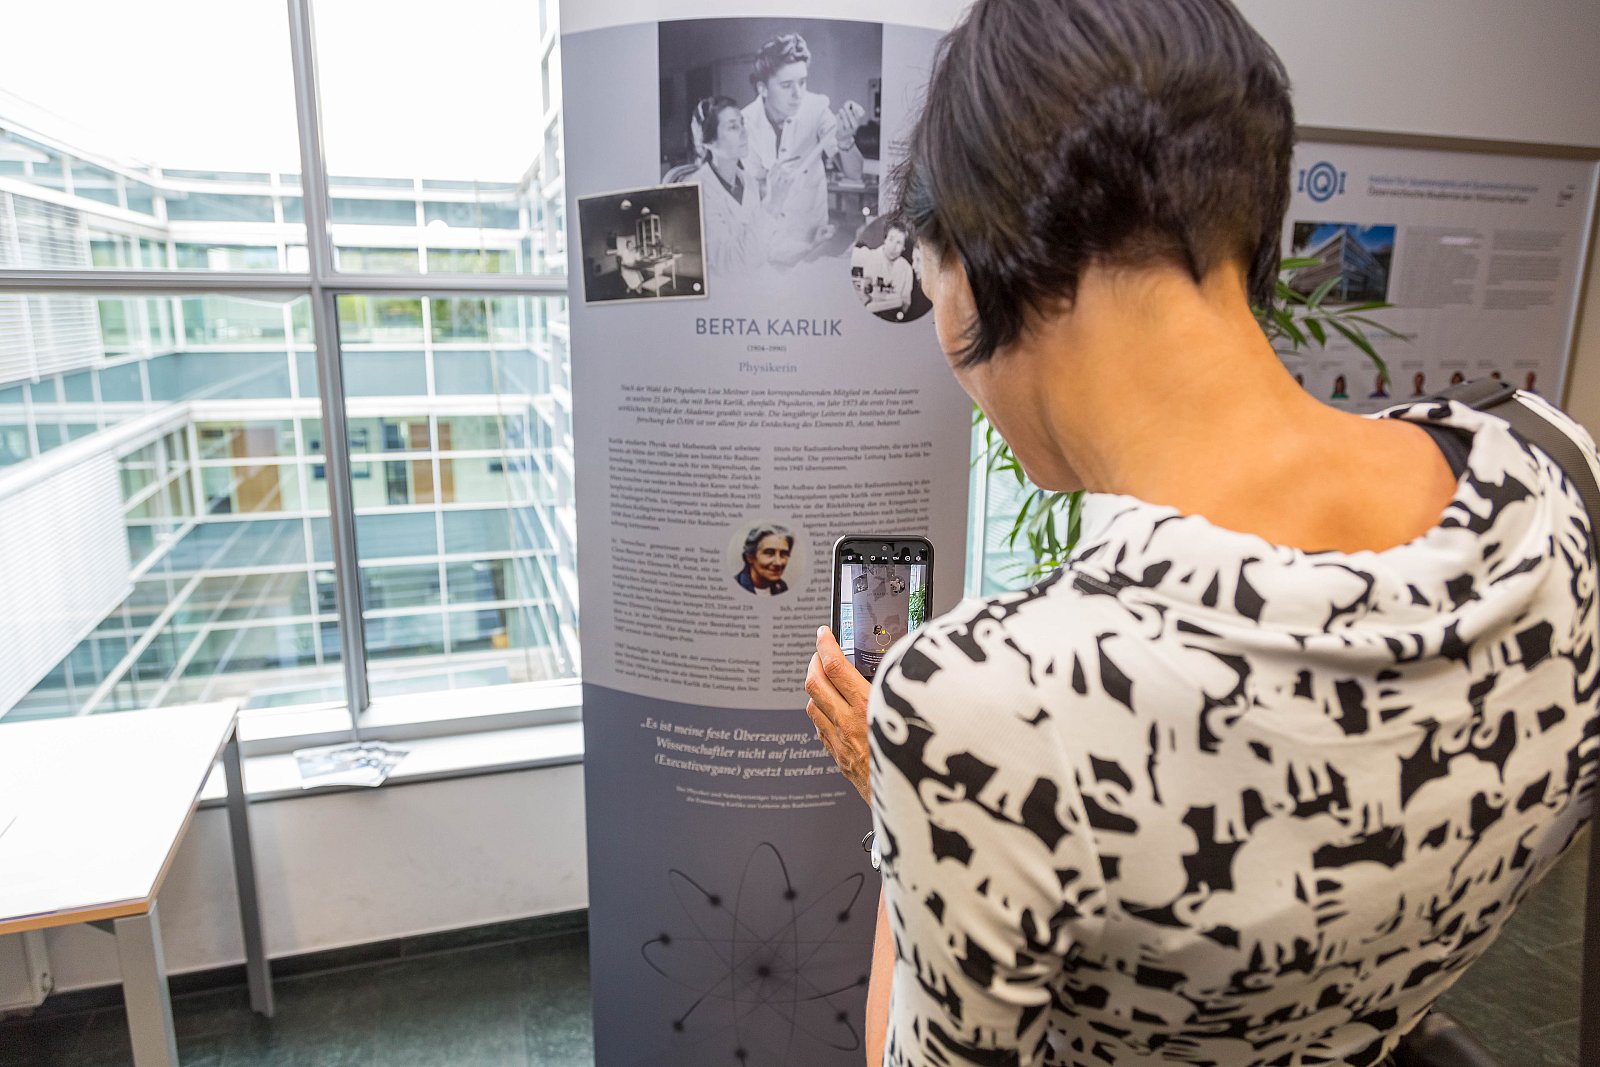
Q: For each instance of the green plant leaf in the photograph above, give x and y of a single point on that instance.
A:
(1316, 298)
(1361, 320)
(1019, 524)
(1358, 339)
(1287, 324)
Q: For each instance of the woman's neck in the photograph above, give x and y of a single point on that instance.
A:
(1170, 392)
(727, 167)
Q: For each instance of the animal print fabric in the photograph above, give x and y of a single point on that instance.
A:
(1200, 799)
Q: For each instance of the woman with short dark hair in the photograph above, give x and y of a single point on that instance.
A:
(1310, 708)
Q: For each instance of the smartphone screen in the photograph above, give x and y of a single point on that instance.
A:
(883, 589)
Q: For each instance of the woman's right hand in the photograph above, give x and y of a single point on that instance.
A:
(838, 709)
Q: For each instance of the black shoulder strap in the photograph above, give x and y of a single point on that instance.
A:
(1550, 437)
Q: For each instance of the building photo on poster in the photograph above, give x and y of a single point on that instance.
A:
(1472, 260)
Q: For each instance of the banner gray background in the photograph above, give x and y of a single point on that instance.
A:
(731, 908)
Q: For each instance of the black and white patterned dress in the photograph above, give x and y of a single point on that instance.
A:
(1203, 799)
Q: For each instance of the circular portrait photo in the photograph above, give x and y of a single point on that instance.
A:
(886, 271)
(764, 558)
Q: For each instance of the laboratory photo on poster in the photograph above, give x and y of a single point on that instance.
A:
(642, 244)
(886, 271)
(778, 120)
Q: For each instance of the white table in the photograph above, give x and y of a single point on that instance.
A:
(663, 272)
(97, 807)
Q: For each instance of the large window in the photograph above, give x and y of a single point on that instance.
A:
(342, 479)
(293, 517)
(461, 119)
(191, 404)
(461, 480)
(150, 128)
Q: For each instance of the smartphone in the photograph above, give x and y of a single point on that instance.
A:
(882, 590)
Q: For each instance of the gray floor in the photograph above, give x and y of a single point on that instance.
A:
(526, 1003)
(505, 1005)
(1521, 998)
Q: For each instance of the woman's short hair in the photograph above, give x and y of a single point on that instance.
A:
(703, 123)
(1126, 133)
(778, 53)
(753, 540)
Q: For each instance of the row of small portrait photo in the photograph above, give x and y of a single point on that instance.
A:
(1370, 388)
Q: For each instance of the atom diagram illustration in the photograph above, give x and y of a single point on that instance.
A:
(770, 973)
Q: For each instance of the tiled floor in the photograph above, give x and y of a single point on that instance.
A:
(1521, 998)
(525, 1003)
(507, 1005)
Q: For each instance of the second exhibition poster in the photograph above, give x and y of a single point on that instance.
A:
(1464, 265)
(755, 374)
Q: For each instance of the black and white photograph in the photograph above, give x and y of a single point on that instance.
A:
(886, 271)
(643, 244)
(778, 120)
(763, 557)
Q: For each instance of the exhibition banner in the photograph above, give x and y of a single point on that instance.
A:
(1478, 257)
(755, 374)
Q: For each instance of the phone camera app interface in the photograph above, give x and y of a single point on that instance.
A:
(883, 595)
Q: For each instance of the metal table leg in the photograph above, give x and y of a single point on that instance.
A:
(144, 987)
(257, 968)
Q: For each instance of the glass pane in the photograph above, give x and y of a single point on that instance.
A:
(476, 193)
(219, 207)
(477, 319)
(365, 212)
(396, 535)
(252, 488)
(384, 374)
(379, 318)
(1002, 566)
(198, 148)
(402, 433)
(467, 514)
(218, 509)
(471, 261)
(468, 433)
(210, 256)
(408, 638)
(410, 586)
(377, 260)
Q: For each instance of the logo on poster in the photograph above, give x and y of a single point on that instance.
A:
(1322, 182)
